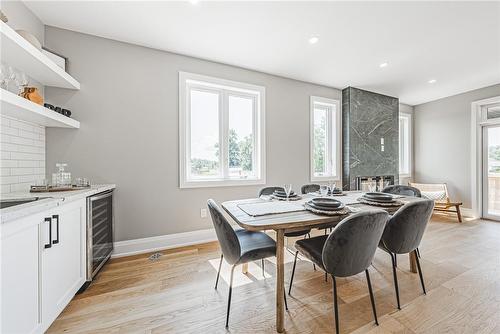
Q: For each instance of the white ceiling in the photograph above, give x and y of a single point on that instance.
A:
(455, 43)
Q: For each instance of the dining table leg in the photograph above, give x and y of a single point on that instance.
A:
(280, 280)
(413, 262)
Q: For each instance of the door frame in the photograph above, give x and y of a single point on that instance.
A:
(478, 121)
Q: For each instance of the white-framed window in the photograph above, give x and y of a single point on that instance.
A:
(221, 132)
(325, 139)
(405, 144)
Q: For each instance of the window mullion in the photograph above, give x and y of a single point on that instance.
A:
(329, 142)
(225, 134)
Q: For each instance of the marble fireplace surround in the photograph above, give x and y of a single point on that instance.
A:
(370, 136)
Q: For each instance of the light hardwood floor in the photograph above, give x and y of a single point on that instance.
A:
(175, 294)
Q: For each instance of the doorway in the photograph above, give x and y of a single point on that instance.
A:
(491, 172)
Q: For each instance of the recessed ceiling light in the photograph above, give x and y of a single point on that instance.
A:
(383, 65)
(432, 81)
(193, 2)
(313, 40)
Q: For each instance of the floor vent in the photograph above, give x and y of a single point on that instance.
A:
(155, 256)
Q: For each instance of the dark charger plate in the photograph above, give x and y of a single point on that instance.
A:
(325, 208)
(378, 197)
(326, 202)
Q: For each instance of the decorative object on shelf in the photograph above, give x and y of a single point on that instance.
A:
(31, 93)
(58, 59)
(65, 112)
(3, 17)
(62, 178)
(30, 38)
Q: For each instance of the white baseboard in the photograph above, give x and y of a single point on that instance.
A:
(467, 212)
(152, 244)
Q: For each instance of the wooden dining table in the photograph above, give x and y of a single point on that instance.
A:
(289, 222)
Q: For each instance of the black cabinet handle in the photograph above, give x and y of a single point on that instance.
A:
(56, 217)
(50, 232)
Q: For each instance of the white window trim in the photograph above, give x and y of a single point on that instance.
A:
(184, 131)
(410, 144)
(338, 136)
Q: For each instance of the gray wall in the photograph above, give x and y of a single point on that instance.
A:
(366, 118)
(128, 109)
(442, 141)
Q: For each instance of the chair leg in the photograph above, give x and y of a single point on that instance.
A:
(293, 273)
(286, 304)
(218, 271)
(371, 296)
(418, 252)
(335, 305)
(395, 260)
(420, 274)
(459, 215)
(263, 272)
(314, 267)
(395, 279)
(229, 296)
(326, 277)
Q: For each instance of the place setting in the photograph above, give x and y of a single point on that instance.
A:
(379, 199)
(326, 206)
(285, 194)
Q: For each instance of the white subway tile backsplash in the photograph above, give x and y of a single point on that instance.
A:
(4, 129)
(22, 154)
(26, 163)
(29, 134)
(5, 189)
(21, 125)
(9, 179)
(22, 171)
(11, 163)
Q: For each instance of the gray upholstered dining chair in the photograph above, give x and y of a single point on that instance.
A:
(402, 190)
(239, 247)
(270, 191)
(347, 251)
(403, 234)
(309, 188)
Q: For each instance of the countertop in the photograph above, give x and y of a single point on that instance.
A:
(47, 201)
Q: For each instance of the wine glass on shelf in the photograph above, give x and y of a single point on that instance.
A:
(21, 82)
(10, 76)
(288, 189)
(3, 76)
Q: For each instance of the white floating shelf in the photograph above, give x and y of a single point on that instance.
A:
(23, 109)
(19, 53)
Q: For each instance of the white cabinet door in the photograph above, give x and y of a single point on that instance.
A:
(63, 263)
(19, 288)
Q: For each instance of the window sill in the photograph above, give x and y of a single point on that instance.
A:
(325, 178)
(221, 183)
